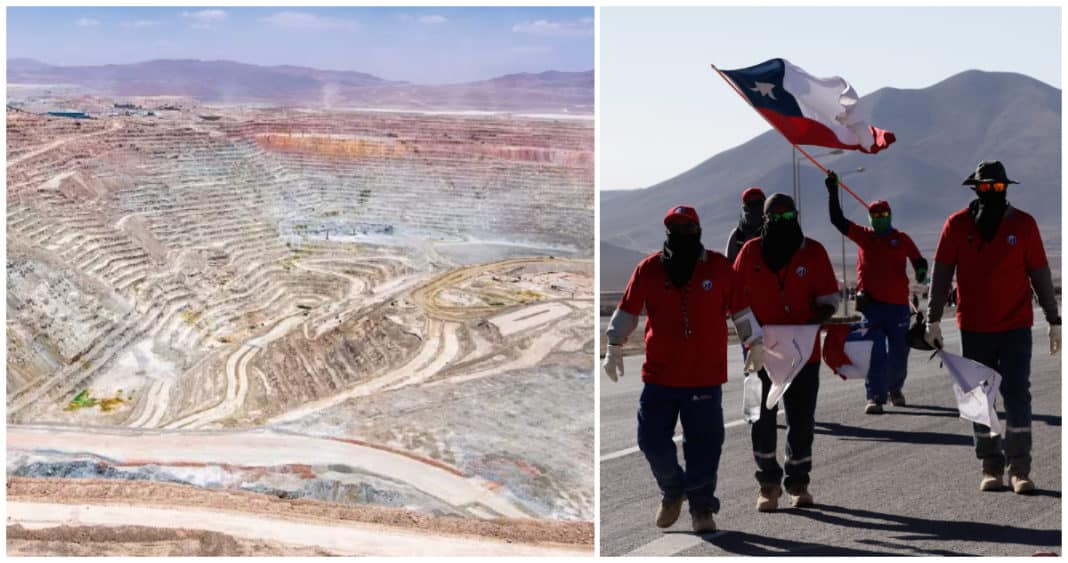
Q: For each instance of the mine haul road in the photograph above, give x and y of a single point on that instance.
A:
(61, 512)
(262, 448)
(902, 483)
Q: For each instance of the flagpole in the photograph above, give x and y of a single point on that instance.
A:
(773, 126)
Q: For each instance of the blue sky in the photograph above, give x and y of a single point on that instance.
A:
(662, 110)
(423, 45)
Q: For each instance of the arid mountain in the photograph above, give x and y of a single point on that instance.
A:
(228, 81)
(942, 132)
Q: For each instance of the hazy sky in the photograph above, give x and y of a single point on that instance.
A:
(663, 110)
(423, 45)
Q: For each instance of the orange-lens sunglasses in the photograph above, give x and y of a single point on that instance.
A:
(880, 214)
(986, 186)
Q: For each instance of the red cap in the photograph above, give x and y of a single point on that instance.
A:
(752, 192)
(878, 205)
(680, 214)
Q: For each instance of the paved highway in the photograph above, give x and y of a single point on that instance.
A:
(903, 483)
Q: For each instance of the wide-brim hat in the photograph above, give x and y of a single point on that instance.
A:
(988, 171)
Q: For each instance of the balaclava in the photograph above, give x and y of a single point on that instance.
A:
(780, 238)
(881, 225)
(682, 250)
(988, 209)
(752, 218)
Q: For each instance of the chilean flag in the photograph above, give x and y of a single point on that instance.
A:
(976, 387)
(786, 349)
(809, 110)
(847, 350)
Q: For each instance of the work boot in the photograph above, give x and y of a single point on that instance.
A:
(992, 481)
(873, 408)
(801, 497)
(1021, 483)
(703, 522)
(897, 399)
(768, 500)
(668, 512)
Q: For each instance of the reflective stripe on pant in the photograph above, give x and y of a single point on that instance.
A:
(701, 411)
(800, 404)
(890, 352)
(1009, 353)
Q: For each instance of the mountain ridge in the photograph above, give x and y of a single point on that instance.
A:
(229, 81)
(942, 132)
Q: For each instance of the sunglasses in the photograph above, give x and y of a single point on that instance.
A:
(784, 216)
(987, 186)
(879, 214)
(753, 200)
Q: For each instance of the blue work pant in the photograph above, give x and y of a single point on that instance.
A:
(800, 404)
(701, 412)
(1009, 353)
(890, 350)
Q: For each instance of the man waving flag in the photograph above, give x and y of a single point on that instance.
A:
(808, 110)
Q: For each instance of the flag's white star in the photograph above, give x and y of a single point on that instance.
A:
(765, 89)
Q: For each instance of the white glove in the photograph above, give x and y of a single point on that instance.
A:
(933, 335)
(1054, 339)
(754, 360)
(613, 362)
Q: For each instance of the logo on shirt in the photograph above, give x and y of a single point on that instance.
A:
(706, 285)
(801, 271)
(1012, 240)
(893, 243)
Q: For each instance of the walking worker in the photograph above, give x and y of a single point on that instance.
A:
(749, 224)
(787, 279)
(997, 254)
(882, 293)
(687, 292)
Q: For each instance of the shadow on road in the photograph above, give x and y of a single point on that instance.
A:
(743, 543)
(846, 432)
(910, 528)
(931, 410)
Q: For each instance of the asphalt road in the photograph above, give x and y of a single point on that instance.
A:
(903, 483)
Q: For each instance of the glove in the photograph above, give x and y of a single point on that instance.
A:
(831, 181)
(921, 275)
(754, 360)
(1054, 339)
(933, 335)
(613, 362)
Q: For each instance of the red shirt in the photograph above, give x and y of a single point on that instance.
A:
(993, 286)
(786, 297)
(881, 259)
(673, 357)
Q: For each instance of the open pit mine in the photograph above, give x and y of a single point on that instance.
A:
(249, 330)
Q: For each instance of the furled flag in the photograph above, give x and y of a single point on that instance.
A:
(976, 387)
(786, 349)
(809, 110)
(847, 350)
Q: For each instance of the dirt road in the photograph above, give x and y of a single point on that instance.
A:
(294, 525)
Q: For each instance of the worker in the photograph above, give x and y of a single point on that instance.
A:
(687, 292)
(786, 279)
(749, 224)
(882, 293)
(996, 251)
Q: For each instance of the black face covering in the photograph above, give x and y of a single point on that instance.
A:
(752, 219)
(779, 242)
(680, 255)
(988, 209)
